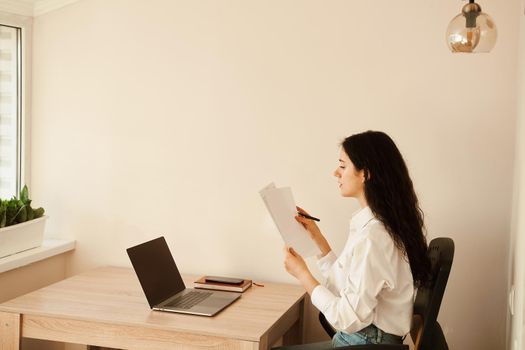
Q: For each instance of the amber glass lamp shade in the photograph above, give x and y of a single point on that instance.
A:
(471, 31)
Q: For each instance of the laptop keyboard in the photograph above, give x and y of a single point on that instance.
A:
(189, 300)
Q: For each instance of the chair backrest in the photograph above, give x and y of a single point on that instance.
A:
(426, 332)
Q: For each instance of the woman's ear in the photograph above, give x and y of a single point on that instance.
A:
(366, 175)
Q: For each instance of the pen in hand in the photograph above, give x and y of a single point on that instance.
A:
(308, 216)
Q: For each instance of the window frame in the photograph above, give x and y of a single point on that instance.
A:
(24, 122)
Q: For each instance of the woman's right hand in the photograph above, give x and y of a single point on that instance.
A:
(314, 231)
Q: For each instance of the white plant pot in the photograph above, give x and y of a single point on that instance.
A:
(20, 237)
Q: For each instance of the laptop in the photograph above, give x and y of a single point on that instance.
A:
(163, 286)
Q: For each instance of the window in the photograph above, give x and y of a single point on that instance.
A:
(10, 110)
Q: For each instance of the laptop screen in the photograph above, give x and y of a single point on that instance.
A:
(156, 270)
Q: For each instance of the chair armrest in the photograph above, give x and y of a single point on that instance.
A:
(326, 325)
(374, 347)
(327, 346)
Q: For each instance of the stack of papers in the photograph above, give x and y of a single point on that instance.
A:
(281, 205)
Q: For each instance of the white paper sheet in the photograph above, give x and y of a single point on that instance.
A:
(281, 205)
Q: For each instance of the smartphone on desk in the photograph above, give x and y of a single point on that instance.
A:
(226, 280)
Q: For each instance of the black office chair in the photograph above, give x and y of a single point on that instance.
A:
(425, 332)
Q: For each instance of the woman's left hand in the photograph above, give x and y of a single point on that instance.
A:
(294, 263)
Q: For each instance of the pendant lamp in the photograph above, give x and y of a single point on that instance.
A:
(471, 31)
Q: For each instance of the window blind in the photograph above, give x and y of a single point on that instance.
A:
(10, 111)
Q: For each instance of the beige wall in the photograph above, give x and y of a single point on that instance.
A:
(167, 117)
(31, 277)
(517, 326)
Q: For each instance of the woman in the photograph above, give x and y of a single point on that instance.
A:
(369, 289)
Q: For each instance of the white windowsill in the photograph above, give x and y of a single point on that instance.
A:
(50, 247)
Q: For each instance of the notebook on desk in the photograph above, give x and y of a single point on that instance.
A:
(163, 286)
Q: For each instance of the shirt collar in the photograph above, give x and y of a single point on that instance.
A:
(361, 217)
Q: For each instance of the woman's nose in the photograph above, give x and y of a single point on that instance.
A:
(336, 173)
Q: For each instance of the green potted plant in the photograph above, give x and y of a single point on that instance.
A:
(21, 226)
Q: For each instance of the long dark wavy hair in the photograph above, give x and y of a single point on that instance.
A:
(390, 195)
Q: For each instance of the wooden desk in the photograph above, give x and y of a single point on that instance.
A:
(106, 307)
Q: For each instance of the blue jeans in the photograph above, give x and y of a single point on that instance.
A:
(367, 335)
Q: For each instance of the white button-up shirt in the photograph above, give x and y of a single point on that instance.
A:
(371, 282)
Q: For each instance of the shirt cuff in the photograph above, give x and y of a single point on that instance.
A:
(321, 297)
(326, 262)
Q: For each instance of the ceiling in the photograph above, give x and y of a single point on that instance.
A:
(32, 8)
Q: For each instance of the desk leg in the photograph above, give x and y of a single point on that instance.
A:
(294, 335)
(9, 331)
